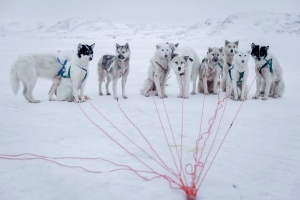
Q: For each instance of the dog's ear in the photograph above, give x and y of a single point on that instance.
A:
(221, 49)
(267, 47)
(167, 42)
(253, 45)
(127, 46)
(92, 46)
(117, 45)
(236, 43)
(191, 59)
(186, 58)
(173, 56)
(157, 46)
(79, 47)
(176, 45)
(209, 50)
(226, 42)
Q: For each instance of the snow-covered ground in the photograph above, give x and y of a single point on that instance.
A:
(260, 158)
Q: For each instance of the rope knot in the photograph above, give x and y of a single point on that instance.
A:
(191, 192)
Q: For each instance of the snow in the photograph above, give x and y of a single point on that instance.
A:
(260, 158)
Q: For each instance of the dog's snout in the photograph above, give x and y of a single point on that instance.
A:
(120, 56)
(243, 61)
(91, 58)
(179, 68)
(231, 50)
(166, 55)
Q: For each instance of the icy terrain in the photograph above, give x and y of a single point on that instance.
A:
(259, 160)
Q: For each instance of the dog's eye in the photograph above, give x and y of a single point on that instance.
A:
(176, 62)
(123, 52)
(167, 49)
(217, 54)
(245, 55)
(233, 46)
(162, 50)
(182, 62)
(229, 47)
(240, 55)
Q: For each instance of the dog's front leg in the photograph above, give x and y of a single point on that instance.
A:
(215, 84)
(157, 85)
(258, 83)
(82, 88)
(268, 78)
(179, 80)
(244, 86)
(124, 80)
(54, 86)
(234, 88)
(75, 90)
(164, 83)
(115, 81)
(205, 85)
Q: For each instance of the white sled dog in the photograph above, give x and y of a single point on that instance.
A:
(228, 54)
(75, 75)
(269, 80)
(158, 71)
(27, 68)
(238, 75)
(114, 67)
(210, 70)
(183, 61)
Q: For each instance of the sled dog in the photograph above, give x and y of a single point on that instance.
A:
(75, 75)
(183, 61)
(210, 70)
(238, 75)
(269, 80)
(114, 67)
(228, 54)
(158, 71)
(27, 68)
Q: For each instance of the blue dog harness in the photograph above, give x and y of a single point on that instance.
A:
(268, 62)
(63, 70)
(241, 74)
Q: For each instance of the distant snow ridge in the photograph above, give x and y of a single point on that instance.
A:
(237, 24)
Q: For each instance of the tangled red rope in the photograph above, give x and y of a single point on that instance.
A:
(181, 175)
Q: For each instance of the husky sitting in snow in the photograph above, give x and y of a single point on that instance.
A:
(228, 54)
(238, 75)
(114, 67)
(269, 81)
(27, 68)
(75, 75)
(210, 70)
(183, 61)
(158, 71)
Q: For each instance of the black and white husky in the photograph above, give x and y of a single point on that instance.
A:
(269, 80)
(114, 67)
(27, 68)
(75, 75)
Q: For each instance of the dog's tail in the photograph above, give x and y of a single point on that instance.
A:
(14, 80)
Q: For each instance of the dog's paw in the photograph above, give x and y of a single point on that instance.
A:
(146, 95)
(255, 97)
(125, 97)
(275, 96)
(179, 96)
(215, 93)
(234, 98)
(186, 97)
(51, 99)
(242, 99)
(107, 93)
(193, 93)
(265, 98)
(206, 93)
(101, 94)
(166, 96)
(116, 98)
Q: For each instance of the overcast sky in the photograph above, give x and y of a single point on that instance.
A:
(139, 11)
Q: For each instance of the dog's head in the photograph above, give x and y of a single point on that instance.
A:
(230, 47)
(241, 56)
(179, 63)
(122, 52)
(173, 46)
(214, 54)
(85, 52)
(258, 52)
(163, 50)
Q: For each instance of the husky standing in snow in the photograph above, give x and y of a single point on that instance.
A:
(158, 71)
(183, 61)
(228, 54)
(114, 67)
(75, 75)
(27, 68)
(269, 80)
(210, 70)
(238, 75)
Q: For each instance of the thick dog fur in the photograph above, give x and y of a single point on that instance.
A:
(228, 54)
(183, 61)
(113, 68)
(27, 68)
(237, 84)
(79, 71)
(210, 71)
(268, 84)
(158, 71)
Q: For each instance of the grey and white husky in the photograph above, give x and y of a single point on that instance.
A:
(114, 67)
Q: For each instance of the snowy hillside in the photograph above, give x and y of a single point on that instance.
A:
(253, 23)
